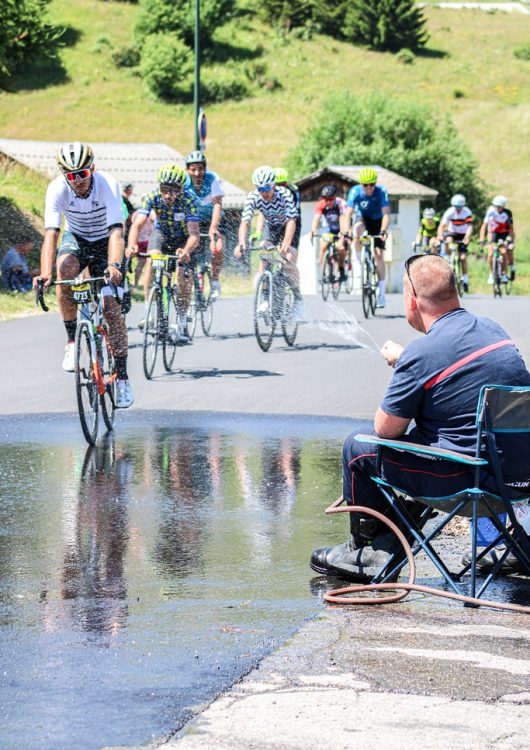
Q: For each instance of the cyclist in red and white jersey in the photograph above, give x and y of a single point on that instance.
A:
(498, 224)
(332, 210)
(456, 225)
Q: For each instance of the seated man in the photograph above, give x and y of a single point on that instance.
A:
(436, 382)
(16, 275)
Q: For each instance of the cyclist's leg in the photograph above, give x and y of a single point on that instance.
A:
(217, 252)
(358, 229)
(323, 247)
(111, 308)
(70, 260)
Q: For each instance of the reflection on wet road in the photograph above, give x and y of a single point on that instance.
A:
(140, 578)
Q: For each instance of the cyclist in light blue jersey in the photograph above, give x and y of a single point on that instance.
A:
(208, 189)
(369, 202)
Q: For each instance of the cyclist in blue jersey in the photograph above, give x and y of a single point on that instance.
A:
(208, 189)
(176, 230)
(369, 202)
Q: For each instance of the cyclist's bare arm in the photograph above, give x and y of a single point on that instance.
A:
(315, 224)
(239, 249)
(216, 217)
(288, 236)
(482, 233)
(385, 222)
(134, 231)
(47, 256)
(115, 254)
(260, 223)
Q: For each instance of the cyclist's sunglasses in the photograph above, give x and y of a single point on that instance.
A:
(171, 189)
(408, 264)
(81, 173)
(369, 184)
(265, 188)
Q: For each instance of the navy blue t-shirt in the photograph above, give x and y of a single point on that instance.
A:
(438, 377)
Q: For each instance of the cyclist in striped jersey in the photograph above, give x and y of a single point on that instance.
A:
(278, 208)
(91, 205)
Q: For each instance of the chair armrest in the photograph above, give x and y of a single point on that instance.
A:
(418, 448)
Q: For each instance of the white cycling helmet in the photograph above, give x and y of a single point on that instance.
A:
(458, 200)
(429, 213)
(75, 156)
(500, 201)
(263, 177)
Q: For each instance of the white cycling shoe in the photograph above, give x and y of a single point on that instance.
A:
(124, 394)
(69, 357)
(297, 311)
(215, 290)
(381, 301)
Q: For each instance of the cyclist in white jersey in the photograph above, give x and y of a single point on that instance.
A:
(278, 208)
(456, 225)
(90, 202)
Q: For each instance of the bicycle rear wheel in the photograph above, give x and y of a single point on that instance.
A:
(85, 383)
(325, 281)
(366, 289)
(206, 305)
(108, 373)
(169, 345)
(263, 318)
(151, 333)
(289, 326)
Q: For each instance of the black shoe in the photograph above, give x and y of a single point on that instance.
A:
(510, 565)
(342, 275)
(466, 287)
(512, 275)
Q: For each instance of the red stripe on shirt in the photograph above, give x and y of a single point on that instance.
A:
(464, 361)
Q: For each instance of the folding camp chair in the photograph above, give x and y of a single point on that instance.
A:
(503, 446)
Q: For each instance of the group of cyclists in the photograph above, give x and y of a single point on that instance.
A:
(186, 205)
(456, 225)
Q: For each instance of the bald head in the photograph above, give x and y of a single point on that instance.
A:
(433, 284)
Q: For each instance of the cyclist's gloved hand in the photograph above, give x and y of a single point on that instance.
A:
(46, 281)
(131, 250)
(239, 251)
(112, 272)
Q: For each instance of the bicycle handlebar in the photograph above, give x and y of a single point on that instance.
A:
(39, 297)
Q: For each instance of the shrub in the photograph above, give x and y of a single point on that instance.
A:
(166, 65)
(102, 43)
(221, 83)
(397, 134)
(178, 17)
(25, 35)
(406, 57)
(459, 94)
(386, 24)
(126, 57)
(522, 53)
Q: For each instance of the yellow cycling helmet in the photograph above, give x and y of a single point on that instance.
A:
(282, 175)
(367, 175)
(171, 174)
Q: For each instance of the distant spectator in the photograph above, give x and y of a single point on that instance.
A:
(15, 272)
(126, 195)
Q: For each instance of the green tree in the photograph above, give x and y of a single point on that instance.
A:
(386, 24)
(400, 135)
(287, 13)
(178, 17)
(24, 34)
(164, 77)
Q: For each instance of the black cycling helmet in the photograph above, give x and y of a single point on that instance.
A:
(195, 157)
(328, 191)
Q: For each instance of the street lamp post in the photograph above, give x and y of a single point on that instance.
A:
(197, 89)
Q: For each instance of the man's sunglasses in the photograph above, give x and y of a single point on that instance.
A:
(172, 189)
(408, 264)
(82, 174)
(369, 184)
(265, 188)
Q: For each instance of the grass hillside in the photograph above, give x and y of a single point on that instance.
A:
(469, 71)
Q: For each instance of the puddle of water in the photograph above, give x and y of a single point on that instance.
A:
(140, 578)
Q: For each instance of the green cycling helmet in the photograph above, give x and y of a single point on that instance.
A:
(367, 175)
(171, 174)
(282, 175)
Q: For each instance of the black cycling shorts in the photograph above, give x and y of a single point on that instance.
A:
(91, 255)
(373, 227)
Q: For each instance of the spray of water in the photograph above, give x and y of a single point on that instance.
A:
(340, 323)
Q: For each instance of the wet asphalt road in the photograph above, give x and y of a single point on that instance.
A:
(85, 601)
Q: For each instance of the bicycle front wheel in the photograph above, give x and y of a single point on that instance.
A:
(207, 305)
(85, 383)
(169, 345)
(366, 289)
(151, 333)
(108, 373)
(263, 317)
(325, 282)
(374, 283)
(289, 327)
